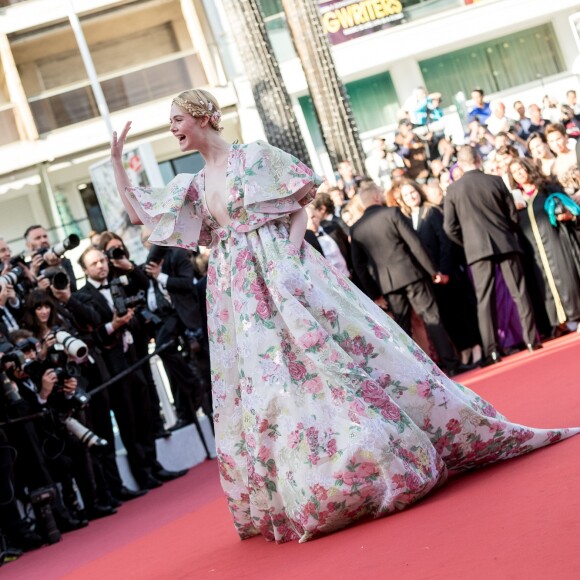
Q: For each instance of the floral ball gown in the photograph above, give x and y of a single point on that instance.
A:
(325, 410)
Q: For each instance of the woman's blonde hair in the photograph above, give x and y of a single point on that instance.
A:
(200, 103)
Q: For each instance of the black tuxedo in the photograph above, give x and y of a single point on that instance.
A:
(390, 260)
(456, 299)
(184, 313)
(130, 397)
(480, 214)
(387, 255)
(179, 269)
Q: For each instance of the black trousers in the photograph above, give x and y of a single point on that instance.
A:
(484, 280)
(419, 296)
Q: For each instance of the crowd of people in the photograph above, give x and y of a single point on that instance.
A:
(472, 249)
(69, 357)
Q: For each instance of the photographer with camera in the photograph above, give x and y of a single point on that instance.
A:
(57, 371)
(29, 427)
(173, 297)
(130, 398)
(82, 319)
(44, 255)
(134, 284)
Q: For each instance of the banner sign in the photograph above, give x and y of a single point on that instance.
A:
(142, 170)
(347, 19)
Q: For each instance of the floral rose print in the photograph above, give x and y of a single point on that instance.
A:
(325, 411)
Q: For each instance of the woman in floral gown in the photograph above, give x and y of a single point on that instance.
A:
(325, 410)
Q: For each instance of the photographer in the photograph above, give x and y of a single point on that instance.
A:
(57, 374)
(173, 297)
(135, 283)
(44, 255)
(82, 319)
(130, 398)
(31, 431)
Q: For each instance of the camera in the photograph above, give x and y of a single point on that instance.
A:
(72, 345)
(12, 277)
(84, 434)
(69, 243)
(41, 499)
(10, 394)
(157, 253)
(121, 302)
(116, 253)
(58, 277)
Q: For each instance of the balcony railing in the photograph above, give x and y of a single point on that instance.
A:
(64, 108)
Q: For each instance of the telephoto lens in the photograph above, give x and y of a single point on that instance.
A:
(13, 277)
(69, 243)
(84, 434)
(72, 345)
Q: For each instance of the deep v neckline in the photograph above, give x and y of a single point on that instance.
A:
(227, 195)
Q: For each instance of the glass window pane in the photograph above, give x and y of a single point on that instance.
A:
(495, 65)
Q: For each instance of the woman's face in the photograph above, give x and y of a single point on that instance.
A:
(539, 149)
(444, 180)
(184, 127)
(410, 196)
(558, 143)
(457, 173)
(519, 173)
(43, 313)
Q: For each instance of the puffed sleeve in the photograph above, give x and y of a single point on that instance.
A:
(171, 212)
(275, 183)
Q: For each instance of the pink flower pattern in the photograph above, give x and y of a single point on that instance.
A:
(325, 411)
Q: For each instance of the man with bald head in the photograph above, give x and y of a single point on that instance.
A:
(396, 271)
(480, 215)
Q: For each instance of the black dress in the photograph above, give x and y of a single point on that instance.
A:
(456, 299)
(556, 260)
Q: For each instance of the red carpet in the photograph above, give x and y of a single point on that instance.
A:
(518, 519)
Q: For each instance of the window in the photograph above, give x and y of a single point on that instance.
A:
(191, 163)
(373, 101)
(496, 65)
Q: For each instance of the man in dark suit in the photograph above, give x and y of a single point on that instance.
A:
(174, 299)
(480, 215)
(394, 270)
(130, 397)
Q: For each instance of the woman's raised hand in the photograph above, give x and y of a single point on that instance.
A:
(118, 142)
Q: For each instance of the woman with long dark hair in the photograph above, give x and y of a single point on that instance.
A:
(456, 299)
(554, 248)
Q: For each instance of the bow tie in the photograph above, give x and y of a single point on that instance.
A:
(104, 287)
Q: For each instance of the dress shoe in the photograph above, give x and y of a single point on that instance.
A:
(114, 502)
(150, 482)
(535, 346)
(98, 511)
(126, 494)
(163, 434)
(166, 475)
(67, 523)
(490, 359)
(460, 368)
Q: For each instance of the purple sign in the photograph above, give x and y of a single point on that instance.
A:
(347, 19)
